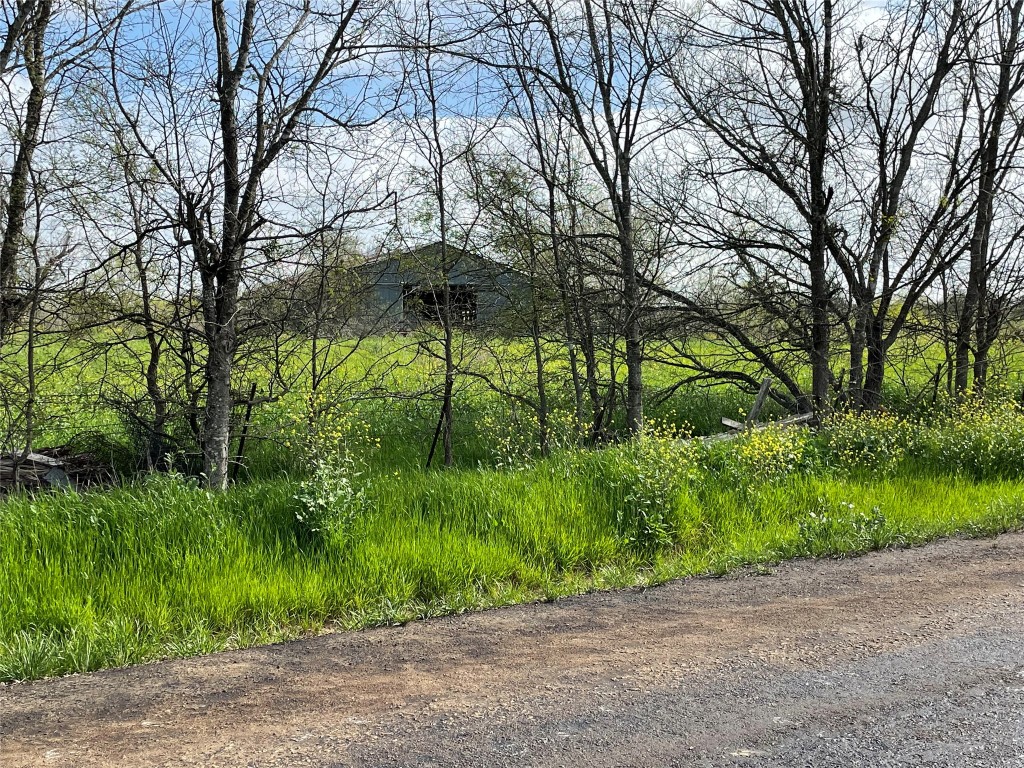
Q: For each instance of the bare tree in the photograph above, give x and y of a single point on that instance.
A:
(886, 235)
(762, 81)
(216, 113)
(445, 124)
(995, 86)
(597, 65)
(47, 45)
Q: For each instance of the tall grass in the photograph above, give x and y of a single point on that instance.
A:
(162, 568)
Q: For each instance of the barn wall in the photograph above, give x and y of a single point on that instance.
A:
(385, 280)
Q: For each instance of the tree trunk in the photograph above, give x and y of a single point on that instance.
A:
(819, 114)
(631, 303)
(988, 333)
(11, 305)
(449, 381)
(970, 313)
(219, 309)
(962, 346)
(875, 374)
(156, 442)
(217, 423)
(633, 338)
(542, 392)
(857, 345)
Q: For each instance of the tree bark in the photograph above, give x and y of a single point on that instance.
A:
(11, 304)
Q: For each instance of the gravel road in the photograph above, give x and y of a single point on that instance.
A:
(898, 658)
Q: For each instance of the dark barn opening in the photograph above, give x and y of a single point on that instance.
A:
(427, 304)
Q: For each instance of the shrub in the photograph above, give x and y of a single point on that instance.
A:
(838, 527)
(876, 442)
(982, 438)
(332, 502)
(763, 455)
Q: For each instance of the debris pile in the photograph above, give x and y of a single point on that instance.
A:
(53, 468)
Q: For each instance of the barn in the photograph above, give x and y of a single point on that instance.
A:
(405, 289)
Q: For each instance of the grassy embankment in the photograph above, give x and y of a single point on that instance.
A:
(160, 568)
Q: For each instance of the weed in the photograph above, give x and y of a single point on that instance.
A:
(331, 501)
(839, 528)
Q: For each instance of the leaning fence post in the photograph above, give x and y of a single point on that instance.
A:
(762, 395)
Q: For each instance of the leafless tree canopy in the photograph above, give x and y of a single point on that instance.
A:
(814, 190)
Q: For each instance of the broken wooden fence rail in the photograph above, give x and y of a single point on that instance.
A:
(800, 420)
(751, 424)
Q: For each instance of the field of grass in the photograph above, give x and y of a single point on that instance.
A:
(161, 568)
(82, 395)
(86, 387)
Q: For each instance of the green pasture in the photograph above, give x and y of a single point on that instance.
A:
(87, 389)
